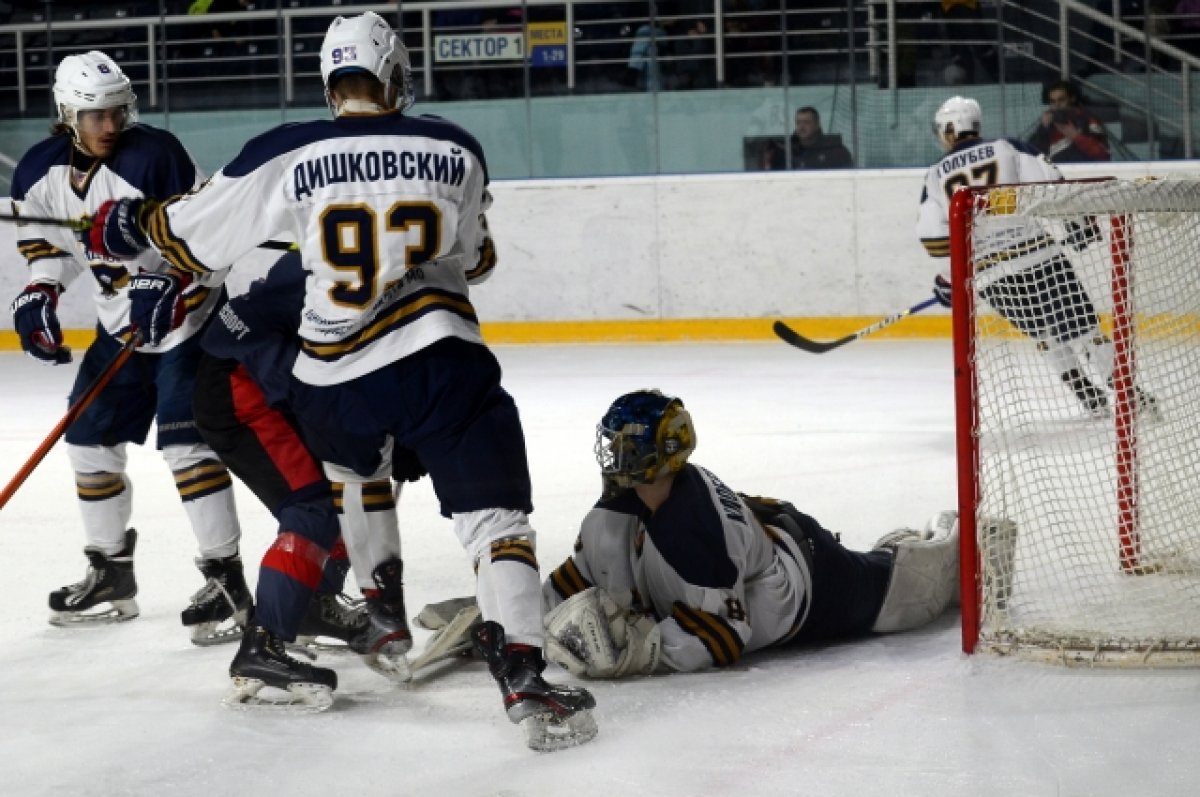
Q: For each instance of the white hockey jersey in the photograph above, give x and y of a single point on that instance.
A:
(55, 180)
(387, 210)
(1006, 244)
(720, 583)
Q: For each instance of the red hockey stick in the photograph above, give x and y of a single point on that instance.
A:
(73, 412)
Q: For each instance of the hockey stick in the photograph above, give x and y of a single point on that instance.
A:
(81, 225)
(73, 412)
(789, 335)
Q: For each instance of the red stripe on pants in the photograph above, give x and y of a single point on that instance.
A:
(297, 558)
(279, 439)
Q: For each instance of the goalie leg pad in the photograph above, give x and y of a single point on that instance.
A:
(435, 616)
(451, 639)
(997, 551)
(924, 578)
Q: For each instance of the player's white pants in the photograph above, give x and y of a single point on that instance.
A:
(106, 496)
(206, 489)
(500, 543)
(367, 517)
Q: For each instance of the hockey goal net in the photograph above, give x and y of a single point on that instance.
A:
(1080, 519)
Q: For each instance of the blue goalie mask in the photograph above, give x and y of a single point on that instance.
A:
(644, 435)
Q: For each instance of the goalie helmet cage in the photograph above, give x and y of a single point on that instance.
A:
(1080, 535)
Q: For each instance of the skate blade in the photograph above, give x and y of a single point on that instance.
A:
(116, 612)
(312, 645)
(547, 733)
(308, 698)
(218, 632)
(391, 665)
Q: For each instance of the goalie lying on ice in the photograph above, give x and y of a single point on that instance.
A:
(674, 571)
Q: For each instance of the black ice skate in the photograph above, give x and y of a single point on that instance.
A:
(385, 639)
(553, 717)
(332, 622)
(261, 661)
(1147, 405)
(109, 584)
(1093, 399)
(219, 610)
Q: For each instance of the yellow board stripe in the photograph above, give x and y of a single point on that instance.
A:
(928, 325)
(723, 643)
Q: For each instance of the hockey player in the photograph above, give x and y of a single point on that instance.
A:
(1022, 272)
(242, 408)
(97, 151)
(674, 571)
(386, 209)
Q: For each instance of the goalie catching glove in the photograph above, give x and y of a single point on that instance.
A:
(590, 635)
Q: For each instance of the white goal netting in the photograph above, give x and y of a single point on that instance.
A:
(1082, 432)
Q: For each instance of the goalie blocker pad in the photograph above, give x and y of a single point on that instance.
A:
(924, 579)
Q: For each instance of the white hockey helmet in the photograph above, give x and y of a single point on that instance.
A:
(957, 115)
(91, 81)
(368, 44)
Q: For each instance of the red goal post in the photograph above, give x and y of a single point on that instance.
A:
(1080, 535)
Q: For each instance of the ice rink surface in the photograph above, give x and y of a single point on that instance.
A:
(861, 438)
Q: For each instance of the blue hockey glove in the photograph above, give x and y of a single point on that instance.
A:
(941, 290)
(37, 324)
(156, 305)
(117, 230)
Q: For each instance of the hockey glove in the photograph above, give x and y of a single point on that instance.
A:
(941, 290)
(642, 638)
(37, 324)
(1079, 236)
(591, 635)
(117, 230)
(156, 305)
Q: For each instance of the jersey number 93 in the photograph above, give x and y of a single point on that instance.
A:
(350, 242)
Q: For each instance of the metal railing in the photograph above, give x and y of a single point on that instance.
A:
(271, 57)
(598, 36)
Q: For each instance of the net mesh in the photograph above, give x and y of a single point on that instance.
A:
(1086, 353)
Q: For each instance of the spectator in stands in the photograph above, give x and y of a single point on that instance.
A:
(227, 38)
(811, 147)
(1067, 131)
(645, 71)
(1187, 26)
(966, 35)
